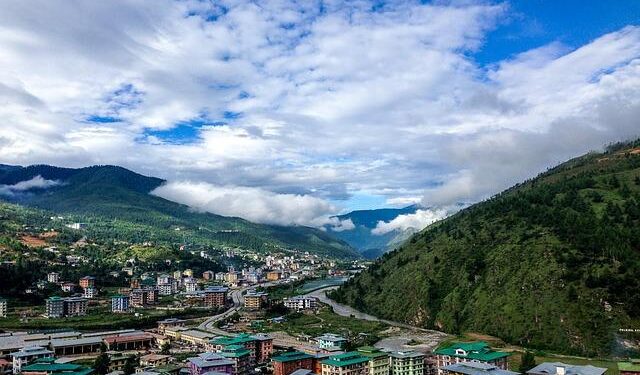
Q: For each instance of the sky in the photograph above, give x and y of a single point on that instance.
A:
(289, 112)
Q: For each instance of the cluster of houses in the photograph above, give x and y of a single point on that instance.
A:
(87, 285)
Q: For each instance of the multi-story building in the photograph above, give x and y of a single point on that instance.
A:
(53, 277)
(471, 352)
(87, 282)
(152, 295)
(188, 272)
(68, 287)
(330, 341)
(255, 300)
(559, 368)
(241, 358)
(75, 306)
(120, 304)
(264, 347)
(3, 308)
(300, 303)
(190, 284)
(54, 307)
(350, 363)
(406, 363)
(231, 277)
(28, 355)
(475, 368)
(287, 363)
(378, 360)
(274, 275)
(260, 346)
(165, 289)
(90, 292)
(215, 296)
(143, 297)
(164, 279)
(209, 362)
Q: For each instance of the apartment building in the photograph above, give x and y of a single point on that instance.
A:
(300, 303)
(406, 363)
(351, 363)
(255, 300)
(471, 352)
(215, 296)
(287, 363)
(3, 308)
(87, 282)
(378, 360)
(120, 304)
(28, 355)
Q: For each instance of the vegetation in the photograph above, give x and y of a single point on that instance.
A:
(549, 264)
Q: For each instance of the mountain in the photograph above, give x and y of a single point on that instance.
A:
(551, 263)
(372, 245)
(122, 197)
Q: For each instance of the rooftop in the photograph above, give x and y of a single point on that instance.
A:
(478, 350)
(291, 356)
(477, 368)
(552, 369)
(345, 359)
(371, 352)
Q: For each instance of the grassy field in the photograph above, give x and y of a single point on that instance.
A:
(326, 321)
(514, 362)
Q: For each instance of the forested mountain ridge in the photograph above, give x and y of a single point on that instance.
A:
(117, 204)
(551, 263)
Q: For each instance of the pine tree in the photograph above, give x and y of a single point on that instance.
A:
(528, 362)
(101, 364)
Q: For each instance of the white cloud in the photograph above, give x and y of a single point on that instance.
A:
(36, 182)
(417, 221)
(333, 100)
(253, 204)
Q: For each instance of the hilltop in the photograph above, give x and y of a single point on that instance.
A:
(116, 203)
(551, 263)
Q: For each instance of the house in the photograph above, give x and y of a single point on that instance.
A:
(3, 308)
(407, 363)
(274, 275)
(53, 277)
(28, 355)
(378, 360)
(208, 275)
(300, 303)
(68, 287)
(87, 282)
(559, 368)
(208, 362)
(155, 360)
(470, 352)
(287, 363)
(90, 292)
(631, 367)
(120, 304)
(329, 340)
(475, 368)
(351, 363)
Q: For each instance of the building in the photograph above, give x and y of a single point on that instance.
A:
(300, 303)
(3, 308)
(170, 323)
(631, 367)
(133, 341)
(190, 284)
(406, 363)
(559, 368)
(475, 368)
(274, 275)
(209, 362)
(54, 307)
(76, 345)
(76, 226)
(75, 306)
(264, 347)
(241, 358)
(28, 355)
(120, 304)
(53, 277)
(90, 292)
(5, 367)
(351, 363)
(287, 363)
(143, 297)
(378, 360)
(155, 360)
(260, 346)
(68, 287)
(190, 336)
(47, 366)
(208, 275)
(471, 352)
(215, 296)
(255, 300)
(87, 282)
(330, 341)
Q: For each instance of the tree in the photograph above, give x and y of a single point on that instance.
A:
(101, 364)
(528, 362)
(165, 348)
(130, 366)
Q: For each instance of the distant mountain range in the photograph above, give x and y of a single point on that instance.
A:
(373, 245)
(551, 263)
(118, 200)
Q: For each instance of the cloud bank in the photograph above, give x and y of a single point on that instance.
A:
(36, 182)
(254, 204)
(304, 100)
(418, 221)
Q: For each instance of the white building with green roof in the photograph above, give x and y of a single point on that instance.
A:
(478, 351)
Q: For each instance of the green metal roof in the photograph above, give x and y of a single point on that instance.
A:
(291, 356)
(239, 339)
(479, 350)
(633, 366)
(51, 367)
(371, 352)
(235, 351)
(345, 359)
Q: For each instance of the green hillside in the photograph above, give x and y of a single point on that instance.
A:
(553, 263)
(117, 205)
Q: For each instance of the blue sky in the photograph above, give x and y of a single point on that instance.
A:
(289, 112)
